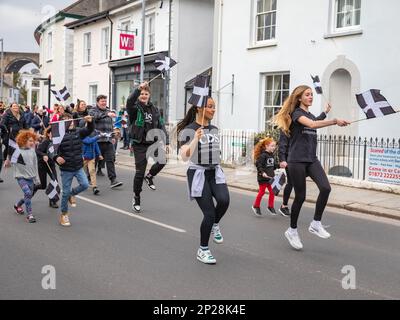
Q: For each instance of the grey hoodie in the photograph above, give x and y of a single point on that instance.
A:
(29, 170)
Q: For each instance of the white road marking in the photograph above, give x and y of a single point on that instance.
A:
(160, 224)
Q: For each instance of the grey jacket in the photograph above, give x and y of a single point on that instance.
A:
(102, 122)
(29, 170)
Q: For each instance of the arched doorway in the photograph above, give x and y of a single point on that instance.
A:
(340, 97)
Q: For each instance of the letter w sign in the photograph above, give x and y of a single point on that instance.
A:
(126, 41)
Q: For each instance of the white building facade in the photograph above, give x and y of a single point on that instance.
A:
(101, 67)
(270, 47)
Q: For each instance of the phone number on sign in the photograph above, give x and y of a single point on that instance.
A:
(384, 175)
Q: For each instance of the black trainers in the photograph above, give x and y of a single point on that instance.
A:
(136, 204)
(53, 204)
(96, 191)
(19, 210)
(150, 182)
(100, 173)
(271, 211)
(1, 180)
(31, 218)
(284, 211)
(256, 211)
(115, 183)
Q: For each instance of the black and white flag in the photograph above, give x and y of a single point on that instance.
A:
(278, 182)
(164, 63)
(58, 132)
(201, 91)
(374, 104)
(317, 84)
(15, 152)
(53, 190)
(62, 95)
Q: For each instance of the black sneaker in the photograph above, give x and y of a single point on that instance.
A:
(115, 183)
(1, 180)
(30, 218)
(96, 191)
(136, 204)
(100, 173)
(19, 210)
(256, 211)
(53, 204)
(271, 211)
(150, 182)
(284, 211)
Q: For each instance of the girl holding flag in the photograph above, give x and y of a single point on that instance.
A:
(295, 120)
(199, 144)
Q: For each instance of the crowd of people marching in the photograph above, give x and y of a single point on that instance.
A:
(92, 134)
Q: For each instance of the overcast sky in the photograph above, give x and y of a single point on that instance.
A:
(19, 19)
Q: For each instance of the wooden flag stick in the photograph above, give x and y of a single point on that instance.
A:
(371, 118)
(157, 76)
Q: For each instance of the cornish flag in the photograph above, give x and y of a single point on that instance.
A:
(15, 152)
(374, 104)
(58, 132)
(164, 63)
(278, 182)
(62, 95)
(200, 91)
(317, 84)
(53, 190)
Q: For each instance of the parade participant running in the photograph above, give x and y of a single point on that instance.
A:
(295, 120)
(283, 155)
(200, 145)
(26, 173)
(69, 158)
(103, 121)
(265, 163)
(145, 117)
(46, 165)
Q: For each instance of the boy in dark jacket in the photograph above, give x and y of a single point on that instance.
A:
(91, 152)
(69, 157)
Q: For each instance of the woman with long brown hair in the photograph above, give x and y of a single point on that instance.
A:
(295, 120)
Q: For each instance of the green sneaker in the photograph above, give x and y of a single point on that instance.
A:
(217, 235)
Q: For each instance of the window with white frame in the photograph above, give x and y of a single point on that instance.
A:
(87, 48)
(151, 32)
(105, 43)
(347, 13)
(125, 28)
(92, 94)
(265, 20)
(275, 92)
(50, 46)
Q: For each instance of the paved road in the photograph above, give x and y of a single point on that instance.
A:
(108, 253)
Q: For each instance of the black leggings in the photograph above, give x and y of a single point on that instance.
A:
(212, 213)
(298, 172)
(288, 188)
(141, 157)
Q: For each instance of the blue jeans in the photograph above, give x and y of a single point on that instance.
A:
(66, 180)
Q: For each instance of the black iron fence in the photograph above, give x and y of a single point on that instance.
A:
(339, 155)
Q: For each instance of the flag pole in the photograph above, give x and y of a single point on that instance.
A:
(371, 118)
(157, 76)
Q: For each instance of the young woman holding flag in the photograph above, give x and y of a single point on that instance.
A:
(295, 120)
(200, 145)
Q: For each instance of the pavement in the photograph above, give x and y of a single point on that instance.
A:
(378, 203)
(111, 253)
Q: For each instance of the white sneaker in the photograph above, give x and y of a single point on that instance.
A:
(217, 235)
(205, 256)
(294, 239)
(319, 230)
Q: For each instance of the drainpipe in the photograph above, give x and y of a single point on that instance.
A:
(111, 73)
(218, 84)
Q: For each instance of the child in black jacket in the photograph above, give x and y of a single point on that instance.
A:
(265, 163)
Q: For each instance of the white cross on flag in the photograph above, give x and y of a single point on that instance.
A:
(374, 104)
(164, 63)
(201, 91)
(53, 190)
(317, 84)
(15, 152)
(62, 95)
(278, 182)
